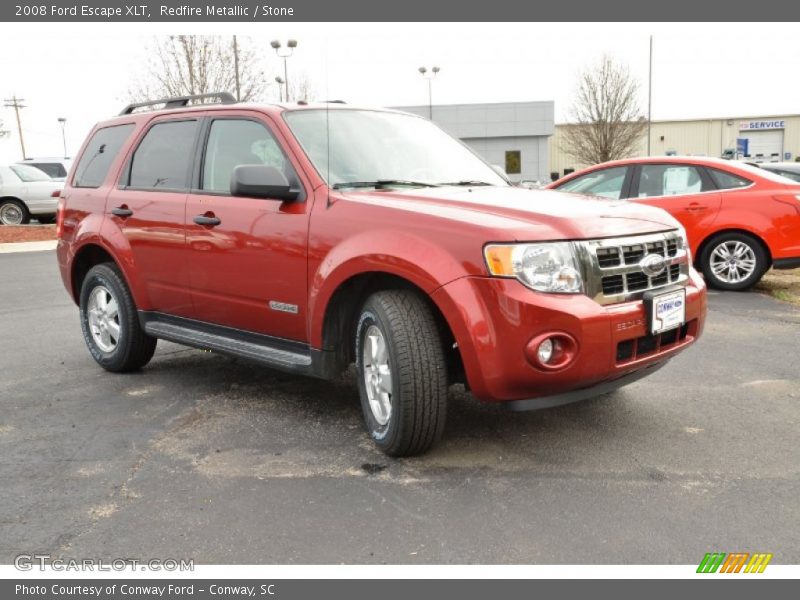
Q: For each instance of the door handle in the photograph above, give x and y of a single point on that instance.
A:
(694, 207)
(121, 211)
(208, 220)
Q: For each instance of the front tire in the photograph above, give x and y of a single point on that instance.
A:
(14, 212)
(733, 261)
(402, 373)
(110, 323)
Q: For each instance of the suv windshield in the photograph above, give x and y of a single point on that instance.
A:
(28, 173)
(385, 149)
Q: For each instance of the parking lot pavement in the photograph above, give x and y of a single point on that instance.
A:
(205, 457)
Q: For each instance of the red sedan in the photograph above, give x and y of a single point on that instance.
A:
(740, 220)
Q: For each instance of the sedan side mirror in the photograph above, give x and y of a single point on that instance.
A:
(261, 181)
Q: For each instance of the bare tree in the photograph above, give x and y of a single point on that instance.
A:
(3, 132)
(199, 64)
(605, 120)
(301, 88)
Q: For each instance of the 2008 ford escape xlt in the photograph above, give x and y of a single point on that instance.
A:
(306, 238)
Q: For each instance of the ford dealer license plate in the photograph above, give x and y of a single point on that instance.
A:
(668, 311)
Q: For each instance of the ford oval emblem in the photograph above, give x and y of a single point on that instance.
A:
(653, 265)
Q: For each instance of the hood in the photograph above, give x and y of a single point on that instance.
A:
(526, 214)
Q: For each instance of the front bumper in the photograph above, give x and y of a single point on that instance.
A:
(494, 319)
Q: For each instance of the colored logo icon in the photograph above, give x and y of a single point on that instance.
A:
(734, 562)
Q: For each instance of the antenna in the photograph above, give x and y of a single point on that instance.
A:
(328, 126)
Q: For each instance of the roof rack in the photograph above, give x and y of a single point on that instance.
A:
(180, 101)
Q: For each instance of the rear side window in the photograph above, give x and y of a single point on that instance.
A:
(52, 169)
(669, 180)
(100, 152)
(164, 157)
(728, 181)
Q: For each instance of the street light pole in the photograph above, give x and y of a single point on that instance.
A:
(236, 69)
(63, 122)
(290, 46)
(280, 81)
(650, 97)
(424, 72)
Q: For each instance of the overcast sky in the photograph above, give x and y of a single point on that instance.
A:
(82, 72)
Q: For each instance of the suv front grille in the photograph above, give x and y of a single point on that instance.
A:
(615, 272)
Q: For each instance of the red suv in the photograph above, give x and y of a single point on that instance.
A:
(306, 238)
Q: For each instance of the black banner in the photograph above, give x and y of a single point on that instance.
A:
(382, 589)
(408, 10)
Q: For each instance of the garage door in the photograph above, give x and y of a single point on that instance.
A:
(765, 145)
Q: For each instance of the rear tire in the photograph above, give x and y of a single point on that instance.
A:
(14, 212)
(402, 372)
(733, 261)
(110, 323)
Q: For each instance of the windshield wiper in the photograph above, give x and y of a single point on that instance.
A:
(381, 183)
(466, 182)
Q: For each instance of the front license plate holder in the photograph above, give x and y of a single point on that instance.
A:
(666, 309)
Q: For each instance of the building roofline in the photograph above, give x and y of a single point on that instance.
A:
(700, 120)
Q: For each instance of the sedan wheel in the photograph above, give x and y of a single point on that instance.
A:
(733, 261)
(13, 212)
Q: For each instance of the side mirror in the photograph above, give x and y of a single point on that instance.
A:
(261, 181)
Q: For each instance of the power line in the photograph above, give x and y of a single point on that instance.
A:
(16, 104)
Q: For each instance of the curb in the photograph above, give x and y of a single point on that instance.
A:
(14, 247)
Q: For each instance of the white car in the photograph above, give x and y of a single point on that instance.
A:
(27, 192)
(57, 168)
(790, 170)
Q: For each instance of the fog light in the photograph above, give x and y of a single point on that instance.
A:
(545, 351)
(551, 350)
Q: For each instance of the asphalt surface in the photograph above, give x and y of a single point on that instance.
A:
(205, 457)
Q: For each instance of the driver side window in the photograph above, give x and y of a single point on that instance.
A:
(607, 183)
(235, 142)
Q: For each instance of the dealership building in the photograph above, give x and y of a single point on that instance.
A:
(521, 137)
(771, 138)
(512, 135)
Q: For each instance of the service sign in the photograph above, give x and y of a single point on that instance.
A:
(753, 125)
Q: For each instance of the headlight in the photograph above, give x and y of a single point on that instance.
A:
(547, 267)
(685, 243)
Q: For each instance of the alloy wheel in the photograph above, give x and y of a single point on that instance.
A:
(733, 261)
(102, 312)
(377, 375)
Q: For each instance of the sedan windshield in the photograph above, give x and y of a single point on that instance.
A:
(28, 173)
(381, 149)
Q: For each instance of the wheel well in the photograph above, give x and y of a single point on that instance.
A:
(342, 312)
(86, 258)
(4, 198)
(704, 244)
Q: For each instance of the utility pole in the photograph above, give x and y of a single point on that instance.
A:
(650, 97)
(236, 68)
(16, 104)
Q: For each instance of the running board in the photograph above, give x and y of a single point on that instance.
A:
(277, 353)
